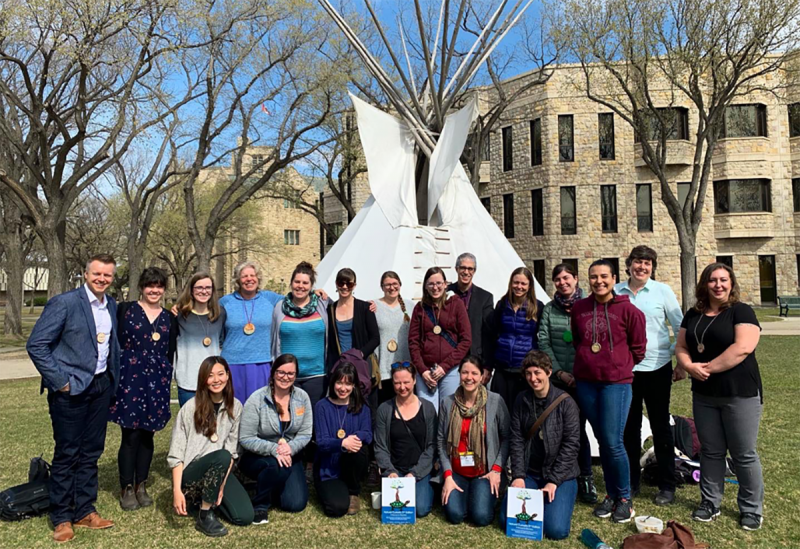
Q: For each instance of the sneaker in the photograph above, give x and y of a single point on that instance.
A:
(261, 517)
(706, 512)
(623, 511)
(587, 493)
(127, 499)
(209, 524)
(664, 497)
(750, 521)
(605, 508)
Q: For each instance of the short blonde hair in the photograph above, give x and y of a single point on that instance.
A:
(237, 273)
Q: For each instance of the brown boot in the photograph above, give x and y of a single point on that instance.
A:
(355, 505)
(63, 532)
(127, 499)
(93, 521)
(141, 495)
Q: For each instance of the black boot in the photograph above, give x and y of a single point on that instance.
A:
(142, 496)
(210, 525)
(127, 499)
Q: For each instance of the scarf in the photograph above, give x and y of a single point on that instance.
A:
(476, 440)
(566, 303)
(290, 309)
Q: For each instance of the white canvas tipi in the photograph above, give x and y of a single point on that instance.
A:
(385, 235)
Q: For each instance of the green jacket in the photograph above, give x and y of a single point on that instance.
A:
(554, 322)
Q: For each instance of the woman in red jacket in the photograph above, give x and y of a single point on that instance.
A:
(439, 336)
(609, 338)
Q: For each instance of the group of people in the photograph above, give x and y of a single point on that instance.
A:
(464, 394)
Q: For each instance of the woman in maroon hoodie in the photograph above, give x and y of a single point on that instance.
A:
(439, 336)
(609, 337)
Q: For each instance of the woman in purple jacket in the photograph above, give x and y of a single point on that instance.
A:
(609, 337)
(516, 323)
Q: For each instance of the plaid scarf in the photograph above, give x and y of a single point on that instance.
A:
(566, 303)
(476, 440)
(290, 309)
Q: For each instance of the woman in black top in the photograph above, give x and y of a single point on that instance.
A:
(716, 347)
(405, 435)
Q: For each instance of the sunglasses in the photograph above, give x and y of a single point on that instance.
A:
(345, 285)
(405, 364)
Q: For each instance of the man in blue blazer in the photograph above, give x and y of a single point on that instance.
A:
(74, 346)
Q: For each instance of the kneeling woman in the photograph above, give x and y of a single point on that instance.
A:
(405, 435)
(546, 458)
(344, 431)
(202, 451)
(276, 425)
(473, 447)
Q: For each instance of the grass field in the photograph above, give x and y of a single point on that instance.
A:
(25, 432)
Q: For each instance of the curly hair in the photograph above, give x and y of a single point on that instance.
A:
(703, 302)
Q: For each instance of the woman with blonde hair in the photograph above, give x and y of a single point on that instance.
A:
(197, 332)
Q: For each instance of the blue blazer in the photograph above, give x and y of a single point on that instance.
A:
(63, 343)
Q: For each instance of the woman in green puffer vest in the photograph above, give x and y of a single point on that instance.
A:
(555, 339)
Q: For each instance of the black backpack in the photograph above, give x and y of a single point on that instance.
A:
(30, 499)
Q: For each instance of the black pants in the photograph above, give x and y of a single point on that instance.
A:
(202, 480)
(134, 457)
(334, 494)
(653, 389)
(79, 431)
(508, 384)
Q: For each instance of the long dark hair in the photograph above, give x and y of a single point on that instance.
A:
(186, 299)
(529, 301)
(426, 296)
(205, 419)
(701, 291)
(306, 268)
(285, 358)
(347, 372)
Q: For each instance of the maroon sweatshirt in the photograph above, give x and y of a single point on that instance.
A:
(619, 329)
(427, 348)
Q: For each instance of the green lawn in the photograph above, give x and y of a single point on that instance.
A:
(25, 432)
(28, 320)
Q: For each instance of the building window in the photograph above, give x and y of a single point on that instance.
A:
(289, 204)
(794, 119)
(614, 266)
(744, 121)
(683, 193)
(537, 212)
(796, 194)
(536, 142)
(291, 237)
(487, 203)
(605, 135)
(675, 120)
(725, 260)
(256, 163)
(508, 215)
(644, 208)
(742, 195)
(508, 150)
(572, 262)
(538, 272)
(566, 139)
(608, 207)
(569, 220)
(332, 235)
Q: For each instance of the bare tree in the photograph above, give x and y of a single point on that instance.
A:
(640, 58)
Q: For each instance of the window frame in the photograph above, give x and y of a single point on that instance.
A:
(568, 147)
(722, 189)
(649, 215)
(289, 235)
(796, 195)
(539, 272)
(537, 212)
(508, 148)
(536, 142)
(487, 203)
(574, 217)
(761, 120)
(681, 128)
(608, 146)
(793, 112)
(609, 221)
(508, 215)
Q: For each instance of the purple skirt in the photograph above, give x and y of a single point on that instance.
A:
(249, 378)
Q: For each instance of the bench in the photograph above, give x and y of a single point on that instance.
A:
(786, 302)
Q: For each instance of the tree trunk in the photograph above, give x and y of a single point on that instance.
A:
(15, 289)
(135, 266)
(203, 252)
(58, 274)
(688, 270)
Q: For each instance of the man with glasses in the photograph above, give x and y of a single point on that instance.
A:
(480, 306)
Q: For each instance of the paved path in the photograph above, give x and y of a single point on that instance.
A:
(15, 364)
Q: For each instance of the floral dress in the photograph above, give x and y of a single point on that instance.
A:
(145, 375)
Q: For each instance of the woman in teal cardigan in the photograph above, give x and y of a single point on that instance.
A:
(555, 340)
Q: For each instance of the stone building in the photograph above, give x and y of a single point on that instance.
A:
(565, 182)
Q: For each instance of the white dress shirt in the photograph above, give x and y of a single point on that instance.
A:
(102, 324)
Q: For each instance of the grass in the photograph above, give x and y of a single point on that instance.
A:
(25, 432)
(770, 314)
(28, 320)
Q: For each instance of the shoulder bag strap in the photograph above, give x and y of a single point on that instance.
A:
(432, 317)
(408, 429)
(544, 415)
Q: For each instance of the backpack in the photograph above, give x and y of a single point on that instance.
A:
(363, 369)
(684, 433)
(30, 499)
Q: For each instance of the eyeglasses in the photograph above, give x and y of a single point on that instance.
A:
(434, 284)
(203, 289)
(345, 285)
(466, 269)
(391, 286)
(405, 364)
(285, 375)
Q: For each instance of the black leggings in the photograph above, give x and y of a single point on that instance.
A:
(135, 456)
(334, 494)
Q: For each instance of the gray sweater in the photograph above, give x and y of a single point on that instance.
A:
(260, 427)
(498, 428)
(383, 452)
(187, 444)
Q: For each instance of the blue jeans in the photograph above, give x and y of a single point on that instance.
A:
(476, 501)
(606, 406)
(446, 387)
(424, 493)
(185, 396)
(557, 513)
(284, 486)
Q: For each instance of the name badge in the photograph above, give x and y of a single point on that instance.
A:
(467, 459)
(300, 411)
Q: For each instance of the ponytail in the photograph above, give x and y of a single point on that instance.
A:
(403, 308)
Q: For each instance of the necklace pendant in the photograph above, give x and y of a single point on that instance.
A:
(340, 433)
(437, 329)
(392, 346)
(156, 336)
(249, 328)
(596, 347)
(281, 440)
(213, 438)
(567, 336)
(101, 337)
(206, 342)
(701, 348)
